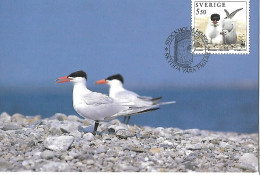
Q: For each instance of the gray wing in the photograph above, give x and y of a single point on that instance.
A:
(145, 98)
(154, 100)
(227, 13)
(97, 99)
(234, 12)
(134, 111)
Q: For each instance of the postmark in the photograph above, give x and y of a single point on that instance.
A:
(179, 52)
(225, 23)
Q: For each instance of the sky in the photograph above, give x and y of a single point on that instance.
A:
(42, 40)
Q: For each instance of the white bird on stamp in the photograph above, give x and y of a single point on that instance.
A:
(229, 29)
(214, 29)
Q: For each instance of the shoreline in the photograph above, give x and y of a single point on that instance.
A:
(65, 143)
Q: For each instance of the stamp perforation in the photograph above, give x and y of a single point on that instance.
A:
(234, 50)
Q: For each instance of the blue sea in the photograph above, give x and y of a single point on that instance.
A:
(234, 110)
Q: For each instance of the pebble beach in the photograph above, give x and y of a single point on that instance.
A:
(66, 143)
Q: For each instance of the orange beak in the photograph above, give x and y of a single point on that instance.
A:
(101, 82)
(63, 79)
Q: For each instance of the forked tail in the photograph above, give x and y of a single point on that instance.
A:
(166, 103)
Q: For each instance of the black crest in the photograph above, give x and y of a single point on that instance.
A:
(215, 16)
(117, 77)
(78, 74)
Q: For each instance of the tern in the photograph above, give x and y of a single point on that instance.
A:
(97, 106)
(124, 96)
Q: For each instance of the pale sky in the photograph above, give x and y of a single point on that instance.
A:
(44, 39)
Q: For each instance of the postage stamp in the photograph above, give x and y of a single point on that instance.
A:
(225, 23)
(179, 53)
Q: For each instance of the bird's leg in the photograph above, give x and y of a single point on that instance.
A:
(96, 126)
(128, 118)
(124, 120)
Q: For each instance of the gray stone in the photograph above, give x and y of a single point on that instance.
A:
(56, 166)
(115, 122)
(34, 124)
(11, 126)
(194, 132)
(55, 131)
(123, 134)
(197, 146)
(69, 126)
(190, 158)
(18, 118)
(179, 159)
(117, 127)
(86, 129)
(77, 135)
(100, 150)
(31, 143)
(36, 154)
(47, 154)
(5, 118)
(74, 153)
(90, 162)
(68, 158)
(190, 166)
(249, 161)
(32, 119)
(88, 136)
(223, 144)
(4, 164)
(59, 116)
(135, 148)
(29, 164)
(74, 118)
(59, 143)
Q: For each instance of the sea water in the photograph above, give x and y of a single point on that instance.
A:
(234, 110)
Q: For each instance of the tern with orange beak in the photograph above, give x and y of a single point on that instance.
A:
(124, 96)
(97, 106)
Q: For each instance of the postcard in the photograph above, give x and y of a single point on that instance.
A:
(129, 86)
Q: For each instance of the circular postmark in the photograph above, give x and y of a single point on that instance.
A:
(181, 50)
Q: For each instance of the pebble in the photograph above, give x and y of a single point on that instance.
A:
(155, 150)
(90, 162)
(74, 118)
(135, 148)
(248, 161)
(18, 118)
(124, 134)
(4, 164)
(68, 158)
(5, 118)
(59, 116)
(11, 126)
(69, 126)
(100, 150)
(47, 154)
(194, 146)
(194, 132)
(223, 144)
(88, 136)
(55, 166)
(59, 143)
(86, 129)
(62, 143)
(32, 119)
